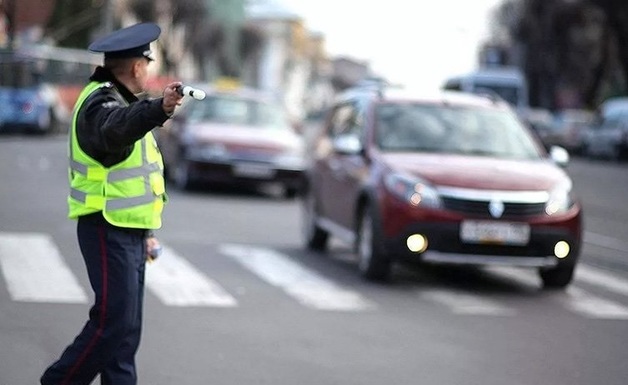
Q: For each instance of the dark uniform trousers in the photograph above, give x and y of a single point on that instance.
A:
(115, 259)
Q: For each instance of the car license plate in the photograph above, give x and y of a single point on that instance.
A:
(507, 233)
(253, 170)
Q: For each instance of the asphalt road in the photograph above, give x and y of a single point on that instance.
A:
(235, 299)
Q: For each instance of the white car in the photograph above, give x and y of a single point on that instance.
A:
(609, 137)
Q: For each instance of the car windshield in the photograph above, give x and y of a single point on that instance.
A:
(20, 74)
(452, 130)
(238, 111)
(509, 93)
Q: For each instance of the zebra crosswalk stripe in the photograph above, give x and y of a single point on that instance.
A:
(577, 299)
(177, 283)
(308, 287)
(592, 306)
(35, 270)
(465, 303)
(600, 278)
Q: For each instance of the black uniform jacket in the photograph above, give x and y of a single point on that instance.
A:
(112, 119)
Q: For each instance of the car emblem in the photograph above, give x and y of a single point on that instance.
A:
(496, 208)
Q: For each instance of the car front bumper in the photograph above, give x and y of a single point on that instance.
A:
(250, 173)
(444, 245)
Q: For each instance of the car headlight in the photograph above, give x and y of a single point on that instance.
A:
(413, 190)
(560, 200)
(215, 151)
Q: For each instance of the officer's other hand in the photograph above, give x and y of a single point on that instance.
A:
(172, 98)
(153, 248)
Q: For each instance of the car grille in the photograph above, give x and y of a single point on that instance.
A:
(481, 208)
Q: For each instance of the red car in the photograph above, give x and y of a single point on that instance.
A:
(450, 178)
(235, 136)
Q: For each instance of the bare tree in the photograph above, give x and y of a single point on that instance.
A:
(73, 22)
(616, 13)
(569, 48)
(205, 36)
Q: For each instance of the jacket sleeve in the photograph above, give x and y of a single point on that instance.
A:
(119, 126)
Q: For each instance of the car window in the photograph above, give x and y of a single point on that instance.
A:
(18, 74)
(611, 122)
(448, 129)
(346, 120)
(238, 111)
(506, 92)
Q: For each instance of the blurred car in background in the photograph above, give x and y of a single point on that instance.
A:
(28, 104)
(539, 120)
(452, 179)
(507, 83)
(235, 136)
(607, 137)
(613, 106)
(568, 129)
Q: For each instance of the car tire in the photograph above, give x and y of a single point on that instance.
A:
(558, 277)
(181, 176)
(45, 123)
(615, 153)
(290, 192)
(373, 263)
(315, 237)
(585, 151)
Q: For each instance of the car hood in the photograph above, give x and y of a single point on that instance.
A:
(238, 136)
(480, 172)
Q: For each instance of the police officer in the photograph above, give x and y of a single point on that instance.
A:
(117, 195)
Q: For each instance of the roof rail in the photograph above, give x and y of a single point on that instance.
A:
(378, 85)
(489, 94)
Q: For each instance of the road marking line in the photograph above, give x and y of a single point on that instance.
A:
(592, 306)
(35, 270)
(465, 303)
(600, 278)
(605, 241)
(304, 285)
(177, 283)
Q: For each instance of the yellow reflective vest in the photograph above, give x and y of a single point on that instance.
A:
(130, 194)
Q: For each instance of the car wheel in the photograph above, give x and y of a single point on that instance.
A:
(622, 153)
(315, 237)
(557, 277)
(45, 122)
(615, 153)
(373, 263)
(585, 151)
(290, 192)
(181, 176)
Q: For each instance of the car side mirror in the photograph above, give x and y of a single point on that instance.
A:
(347, 144)
(559, 155)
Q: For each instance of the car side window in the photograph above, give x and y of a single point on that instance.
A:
(611, 122)
(346, 120)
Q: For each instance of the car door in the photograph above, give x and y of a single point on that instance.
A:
(340, 170)
(349, 167)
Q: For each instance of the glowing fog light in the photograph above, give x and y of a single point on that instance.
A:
(416, 243)
(561, 249)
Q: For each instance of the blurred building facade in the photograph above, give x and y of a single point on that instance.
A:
(262, 43)
(29, 16)
(292, 63)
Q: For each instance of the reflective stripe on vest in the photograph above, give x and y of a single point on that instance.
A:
(101, 175)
